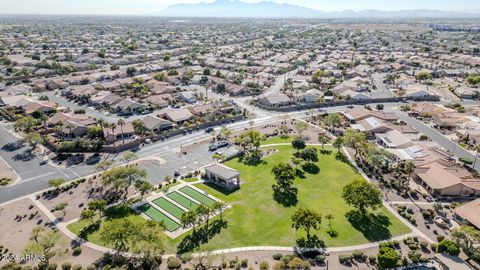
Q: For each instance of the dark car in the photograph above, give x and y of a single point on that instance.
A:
(209, 129)
(222, 144)
(212, 147)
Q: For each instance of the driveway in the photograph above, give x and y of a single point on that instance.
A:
(382, 90)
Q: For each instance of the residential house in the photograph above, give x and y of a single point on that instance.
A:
(155, 124)
(177, 116)
(274, 100)
(469, 214)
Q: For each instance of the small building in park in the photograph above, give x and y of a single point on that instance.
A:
(223, 176)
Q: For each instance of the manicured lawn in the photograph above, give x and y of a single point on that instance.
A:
(191, 179)
(169, 207)
(277, 139)
(197, 196)
(182, 200)
(158, 216)
(256, 219)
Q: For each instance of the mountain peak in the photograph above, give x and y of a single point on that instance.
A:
(270, 9)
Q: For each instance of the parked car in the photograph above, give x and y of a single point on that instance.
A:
(212, 147)
(222, 144)
(209, 129)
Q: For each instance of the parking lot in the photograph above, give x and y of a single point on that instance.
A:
(196, 157)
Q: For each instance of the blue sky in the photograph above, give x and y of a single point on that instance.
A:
(139, 7)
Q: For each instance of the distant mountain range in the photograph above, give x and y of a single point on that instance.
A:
(269, 9)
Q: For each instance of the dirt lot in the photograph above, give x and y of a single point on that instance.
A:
(15, 233)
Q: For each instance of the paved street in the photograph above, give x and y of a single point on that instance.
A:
(437, 137)
(35, 176)
(382, 90)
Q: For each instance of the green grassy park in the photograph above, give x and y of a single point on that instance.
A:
(255, 218)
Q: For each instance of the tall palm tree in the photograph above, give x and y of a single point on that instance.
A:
(70, 127)
(121, 123)
(112, 127)
(44, 119)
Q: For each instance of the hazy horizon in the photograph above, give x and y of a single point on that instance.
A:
(146, 7)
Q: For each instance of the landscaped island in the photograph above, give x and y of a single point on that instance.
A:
(256, 219)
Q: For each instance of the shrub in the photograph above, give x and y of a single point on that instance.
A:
(423, 245)
(357, 255)
(448, 247)
(244, 263)
(320, 259)
(279, 265)
(77, 251)
(372, 259)
(277, 256)
(66, 266)
(264, 265)
(52, 266)
(77, 267)
(174, 263)
(440, 237)
(388, 258)
(91, 267)
(345, 258)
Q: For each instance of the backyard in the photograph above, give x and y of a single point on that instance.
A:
(256, 219)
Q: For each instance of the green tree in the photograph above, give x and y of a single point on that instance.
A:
(300, 127)
(362, 195)
(323, 139)
(56, 183)
(333, 120)
(306, 219)
(309, 155)
(188, 219)
(355, 140)
(87, 214)
(160, 76)
(25, 124)
(448, 247)
(423, 76)
(143, 187)
(33, 139)
(131, 71)
(468, 238)
(119, 233)
(123, 177)
(45, 242)
(129, 156)
(298, 144)
(103, 165)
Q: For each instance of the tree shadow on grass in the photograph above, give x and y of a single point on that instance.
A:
(118, 211)
(286, 197)
(87, 230)
(311, 168)
(201, 235)
(343, 158)
(310, 242)
(299, 173)
(219, 189)
(325, 152)
(374, 226)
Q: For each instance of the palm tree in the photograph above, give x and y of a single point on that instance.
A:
(70, 127)
(113, 126)
(44, 119)
(121, 123)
